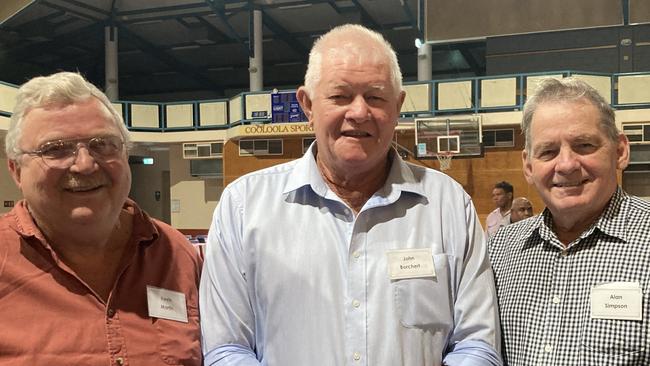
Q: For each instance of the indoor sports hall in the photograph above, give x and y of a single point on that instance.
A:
(207, 88)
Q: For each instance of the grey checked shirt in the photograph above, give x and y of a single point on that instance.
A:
(544, 289)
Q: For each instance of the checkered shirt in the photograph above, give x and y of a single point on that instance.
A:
(544, 288)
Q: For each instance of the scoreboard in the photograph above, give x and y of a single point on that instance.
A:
(285, 108)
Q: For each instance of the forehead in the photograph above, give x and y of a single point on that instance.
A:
(567, 112)
(60, 121)
(357, 53)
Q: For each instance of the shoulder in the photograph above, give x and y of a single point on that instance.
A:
(434, 181)
(512, 237)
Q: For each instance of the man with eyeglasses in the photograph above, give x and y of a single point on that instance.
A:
(86, 276)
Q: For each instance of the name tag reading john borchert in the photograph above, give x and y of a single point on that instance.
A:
(410, 263)
(617, 300)
(166, 304)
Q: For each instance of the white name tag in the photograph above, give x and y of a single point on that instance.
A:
(166, 304)
(617, 300)
(410, 263)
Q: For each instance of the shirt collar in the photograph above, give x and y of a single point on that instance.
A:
(611, 221)
(144, 230)
(400, 177)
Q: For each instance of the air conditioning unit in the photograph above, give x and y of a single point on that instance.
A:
(203, 150)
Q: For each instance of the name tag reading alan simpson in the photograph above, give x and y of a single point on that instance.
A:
(410, 263)
(617, 300)
(166, 304)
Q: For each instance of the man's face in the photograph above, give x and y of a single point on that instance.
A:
(521, 209)
(572, 162)
(354, 110)
(88, 192)
(501, 198)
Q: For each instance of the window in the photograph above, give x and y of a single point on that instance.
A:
(203, 150)
(206, 168)
(260, 147)
(637, 133)
(499, 138)
(306, 142)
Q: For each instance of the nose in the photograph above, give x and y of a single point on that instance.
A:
(84, 162)
(567, 161)
(358, 110)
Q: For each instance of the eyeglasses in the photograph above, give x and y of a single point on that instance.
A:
(61, 154)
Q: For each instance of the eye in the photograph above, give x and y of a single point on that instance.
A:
(105, 146)
(57, 149)
(546, 154)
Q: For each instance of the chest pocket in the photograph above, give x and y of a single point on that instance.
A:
(614, 342)
(180, 342)
(426, 303)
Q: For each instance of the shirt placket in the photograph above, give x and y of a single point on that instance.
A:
(114, 337)
(556, 298)
(356, 304)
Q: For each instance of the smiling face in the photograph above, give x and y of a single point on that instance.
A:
(87, 193)
(572, 162)
(521, 209)
(353, 107)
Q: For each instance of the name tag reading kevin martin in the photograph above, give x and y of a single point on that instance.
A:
(166, 304)
(617, 300)
(410, 263)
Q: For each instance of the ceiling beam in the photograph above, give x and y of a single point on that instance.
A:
(284, 35)
(219, 9)
(195, 74)
(366, 17)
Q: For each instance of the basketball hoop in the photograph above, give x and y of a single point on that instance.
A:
(444, 158)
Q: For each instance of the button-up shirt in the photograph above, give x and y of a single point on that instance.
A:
(293, 277)
(495, 220)
(547, 291)
(49, 316)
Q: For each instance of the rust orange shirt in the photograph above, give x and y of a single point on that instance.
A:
(48, 316)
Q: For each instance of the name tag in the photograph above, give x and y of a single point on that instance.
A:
(617, 300)
(166, 304)
(410, 263)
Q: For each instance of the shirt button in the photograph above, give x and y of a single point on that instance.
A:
(119, 361)
(111, 313)
(356, 356)
(548, 348)
(356, 254)
(564, 253)
(556, 300)
(356, 303)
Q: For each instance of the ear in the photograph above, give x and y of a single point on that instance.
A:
(305, 103)
(14, 171)
(528, 169)
(622, 152)
(400, 101)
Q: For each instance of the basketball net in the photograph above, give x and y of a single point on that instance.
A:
(444, 158)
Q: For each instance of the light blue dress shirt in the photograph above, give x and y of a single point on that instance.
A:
(292, 277)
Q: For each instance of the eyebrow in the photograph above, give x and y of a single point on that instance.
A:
(379, 87)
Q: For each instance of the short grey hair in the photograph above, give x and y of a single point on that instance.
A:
(571, 90)
(314, 67)
(63, 88)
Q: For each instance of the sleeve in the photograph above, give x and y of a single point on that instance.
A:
(227, 317)
(477, 336)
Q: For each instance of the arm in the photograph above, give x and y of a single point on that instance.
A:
(476, 338)
(227, 318)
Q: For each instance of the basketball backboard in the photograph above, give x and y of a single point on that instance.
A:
(457, 135)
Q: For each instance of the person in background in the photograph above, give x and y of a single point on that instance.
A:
(521, 209)
(86, 277)
(573, 281)
(348, 255)
(502, 195)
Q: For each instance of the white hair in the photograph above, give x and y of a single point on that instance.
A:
(63, 88)
(385, 53)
